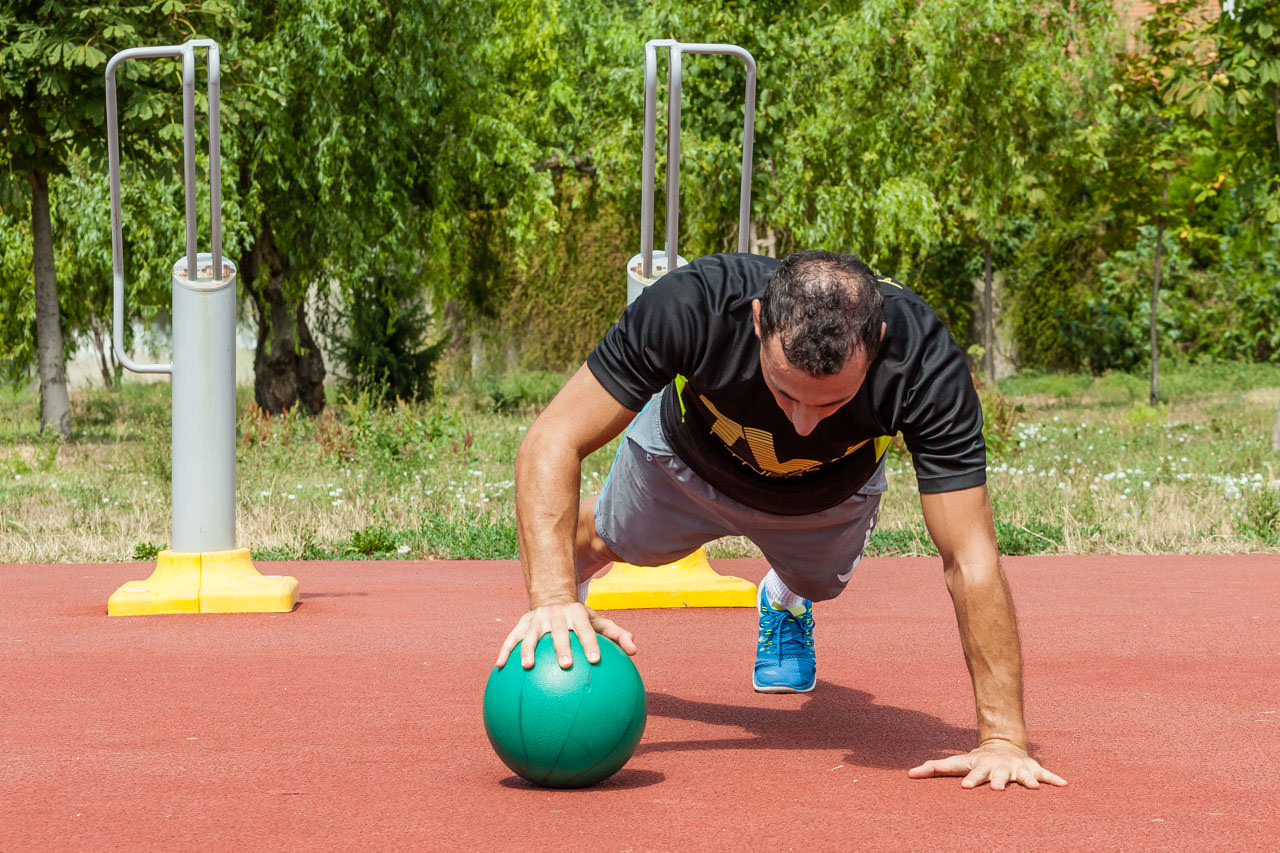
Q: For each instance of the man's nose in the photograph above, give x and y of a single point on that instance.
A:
(804, 419)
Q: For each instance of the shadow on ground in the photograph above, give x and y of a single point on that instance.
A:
(832, 717)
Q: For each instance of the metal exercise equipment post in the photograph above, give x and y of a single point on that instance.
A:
(690, 582)
(648, 266)
(202, 571)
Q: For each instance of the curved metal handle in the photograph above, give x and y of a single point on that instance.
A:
(185, 52)
(649, 154)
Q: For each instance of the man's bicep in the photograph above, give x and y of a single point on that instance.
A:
(960, 525)
(583, 415)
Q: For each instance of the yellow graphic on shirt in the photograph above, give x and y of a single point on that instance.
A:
(764, 456)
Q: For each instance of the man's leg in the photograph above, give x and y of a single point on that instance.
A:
(591, 553)
(785, 658)
(646, 514)
(812, 558)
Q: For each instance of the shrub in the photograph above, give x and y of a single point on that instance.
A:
(383, 351)
(1260, 518)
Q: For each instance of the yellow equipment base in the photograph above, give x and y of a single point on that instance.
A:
(210, 582)
(691, 582)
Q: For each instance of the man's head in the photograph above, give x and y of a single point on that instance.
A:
(820, 323)
(822, 307)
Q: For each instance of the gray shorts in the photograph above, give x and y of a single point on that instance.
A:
(654, 510)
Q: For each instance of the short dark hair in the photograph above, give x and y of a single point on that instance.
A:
(824, 307)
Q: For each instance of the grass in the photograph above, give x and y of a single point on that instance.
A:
(1079, 465)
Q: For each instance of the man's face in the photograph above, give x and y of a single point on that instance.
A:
(805, 399)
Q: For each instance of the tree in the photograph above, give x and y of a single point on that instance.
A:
(926, 129)
(1006, 84)
(1158, 140)
(52, 104)
(375, 140)
(1240, 83)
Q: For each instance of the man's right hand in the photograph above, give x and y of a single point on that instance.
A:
(558, 620)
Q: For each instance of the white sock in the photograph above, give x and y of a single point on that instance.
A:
(583, 588)
(779, 595)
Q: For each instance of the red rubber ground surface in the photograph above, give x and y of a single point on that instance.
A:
(1153, 685)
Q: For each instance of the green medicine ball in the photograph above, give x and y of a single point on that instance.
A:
(565, 728)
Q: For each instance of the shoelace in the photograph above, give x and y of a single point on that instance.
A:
(796, 633)
(770, 620)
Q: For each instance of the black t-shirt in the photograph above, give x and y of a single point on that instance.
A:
(693, 329)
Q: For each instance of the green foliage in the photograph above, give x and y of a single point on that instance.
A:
(982, 93)
(1238, 83)
(17, 303)
(1260, 517)
(1030, 537)
(52, 58)
(908, 541)
(384, 351)
(395, 437)
(1000, 415)
(1180, 380)
(1230, 316)
(145, 551)
(521, 390)
(573, 287)
(488, 152)
(1012, 538)
(472, 539)
(52, 121)
(375, 540)
(1142, 413)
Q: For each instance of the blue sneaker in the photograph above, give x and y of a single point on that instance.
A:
(785, 661)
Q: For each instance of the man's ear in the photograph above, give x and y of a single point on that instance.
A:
(755, 317)
(883, 326)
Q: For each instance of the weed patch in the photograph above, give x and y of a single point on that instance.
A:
(1260, 518)
(911, 540)
(375, 540)
(145, 551)
(478, 539)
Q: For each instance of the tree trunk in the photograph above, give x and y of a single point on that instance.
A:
(287, 366)
(1155, 298)
(988, 319)
(55, 403)
(1275, 431)
(1275, 110)
(105, 358)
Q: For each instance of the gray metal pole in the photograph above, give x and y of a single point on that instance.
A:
(648, 154)
(214, 75)
(117, 241)
(649, 157)
(204, 317)
(189, 148)
(204, 401)
(674, 76)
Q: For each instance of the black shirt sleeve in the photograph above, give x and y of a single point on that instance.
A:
(659, 335)
(940, 416)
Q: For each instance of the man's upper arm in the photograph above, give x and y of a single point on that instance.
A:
(583, 415)
(961, 526)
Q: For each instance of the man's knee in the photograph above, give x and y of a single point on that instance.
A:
(814, 588)
(591, 554)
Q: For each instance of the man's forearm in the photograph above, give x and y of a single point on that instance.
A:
(547, 485)
(581, 419)
(989, 636)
